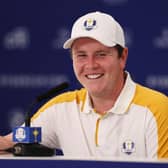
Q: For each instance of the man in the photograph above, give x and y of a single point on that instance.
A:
(110, 116)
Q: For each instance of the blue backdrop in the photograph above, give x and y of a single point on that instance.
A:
(32, 59)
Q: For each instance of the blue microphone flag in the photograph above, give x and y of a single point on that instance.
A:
(27, 134)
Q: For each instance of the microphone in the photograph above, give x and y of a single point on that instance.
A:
(47, 95)
(52, 92)
(28, 138)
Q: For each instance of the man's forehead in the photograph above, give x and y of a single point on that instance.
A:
(88, 43)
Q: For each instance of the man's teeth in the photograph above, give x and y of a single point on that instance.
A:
(95, 76)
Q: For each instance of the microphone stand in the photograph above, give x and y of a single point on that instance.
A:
(36, 149)
(31, 149)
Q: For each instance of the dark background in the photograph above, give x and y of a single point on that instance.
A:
(32, 59)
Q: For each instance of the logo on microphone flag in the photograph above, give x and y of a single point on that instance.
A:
(27, 134)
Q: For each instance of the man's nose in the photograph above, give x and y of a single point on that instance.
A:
(91, 62)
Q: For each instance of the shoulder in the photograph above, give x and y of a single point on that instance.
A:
(154, 100)
(62, 99)
(66, 97)
(147, 92)
(70, 96)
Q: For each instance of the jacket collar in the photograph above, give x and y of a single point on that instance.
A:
(123, 101)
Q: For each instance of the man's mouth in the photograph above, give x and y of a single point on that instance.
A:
(94, 76)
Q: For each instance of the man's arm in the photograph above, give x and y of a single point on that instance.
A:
(6, 142)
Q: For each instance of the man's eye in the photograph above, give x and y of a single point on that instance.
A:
(102, 54)
(81, 55)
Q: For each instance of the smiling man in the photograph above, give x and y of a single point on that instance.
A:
(100, 70)
(111, 115)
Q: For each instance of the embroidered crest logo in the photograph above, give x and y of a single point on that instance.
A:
(89, 24)
(128, 147)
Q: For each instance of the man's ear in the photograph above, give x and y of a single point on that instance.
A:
(124, 57)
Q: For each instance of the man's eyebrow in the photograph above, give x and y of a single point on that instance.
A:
(102, 50)
(78, 52)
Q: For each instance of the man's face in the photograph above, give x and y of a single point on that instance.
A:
(97, 67)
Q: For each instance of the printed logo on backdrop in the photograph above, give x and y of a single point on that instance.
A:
(161, 41)
(18, 38)
(157, 81)
(31, 81)
(62, 35)
(115, 2)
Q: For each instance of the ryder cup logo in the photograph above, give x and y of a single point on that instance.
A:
(20, 134)
(89, 24)
(128, 147)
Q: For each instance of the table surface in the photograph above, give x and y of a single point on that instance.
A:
(9, 160)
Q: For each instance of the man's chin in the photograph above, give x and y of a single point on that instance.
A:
(95, 92)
